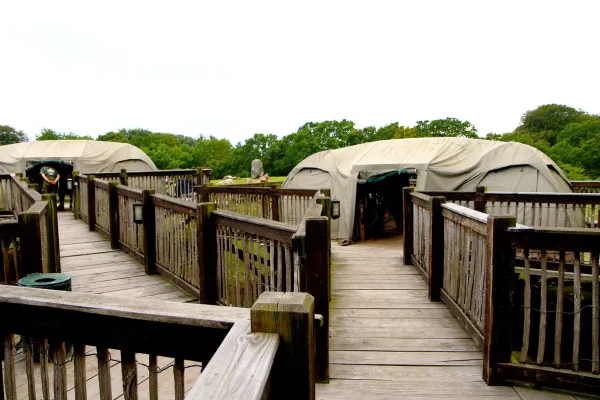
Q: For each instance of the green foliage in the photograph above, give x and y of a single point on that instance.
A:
(449, 127)
(50, 134)
(569, 136)
(9, 135)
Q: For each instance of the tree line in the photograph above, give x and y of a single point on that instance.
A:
(571, 137)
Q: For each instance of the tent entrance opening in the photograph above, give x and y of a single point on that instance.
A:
(379, 205)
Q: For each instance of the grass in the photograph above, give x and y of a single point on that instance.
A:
(272, 179)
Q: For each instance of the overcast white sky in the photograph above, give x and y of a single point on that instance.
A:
(235, 68)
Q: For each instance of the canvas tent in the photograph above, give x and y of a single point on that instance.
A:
(450, 164)
(84, 155)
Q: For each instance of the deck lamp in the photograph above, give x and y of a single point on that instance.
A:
(69, 184)
(335, 209)
(138, 213)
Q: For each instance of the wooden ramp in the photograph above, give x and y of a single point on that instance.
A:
(388, 341)
(96, 268)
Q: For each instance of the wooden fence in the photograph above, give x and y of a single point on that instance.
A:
(266, 352)
(523, 310)
(29, 223)
(221, 257)
(283, 205)
(558, 210)
(178, 183)
(586, 186)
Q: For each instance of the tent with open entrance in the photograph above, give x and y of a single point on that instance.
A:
(83, 155)
(450, 164)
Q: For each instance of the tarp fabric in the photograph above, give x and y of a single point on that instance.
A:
(451, 164)
(85, 155)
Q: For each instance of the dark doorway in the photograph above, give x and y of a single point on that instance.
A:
(65, 170)
(379, 205)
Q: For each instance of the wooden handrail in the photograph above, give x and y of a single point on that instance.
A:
(260, 226)
(182, 331)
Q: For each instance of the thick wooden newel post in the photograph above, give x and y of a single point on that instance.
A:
(113, 210)
(498, 307)
(407, 225)
(149, 231)
(52, 232)
(91, 203)
(317, 284)
(207, 253)
(479, 204)
(31, 249)
(291, 315)
(436, 251)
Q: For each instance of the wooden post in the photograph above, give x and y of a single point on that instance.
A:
(291, 315)
(318, 284)
(91, 203)
(75, 200)
(9, 367)
(479, 204)
(80, 372)
(123, 177)
(206, 176)
(31, 242)
(326, 212)
(129, 375)
(407, 225)
(52, 232)
(149, 232)
(498, 308)
(436, 250)
(113, 210)
(274, 205)
(207, 253)
(59, 353)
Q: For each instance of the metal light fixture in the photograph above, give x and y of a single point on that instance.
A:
(138, 213)
(335, 209)
(69, 184)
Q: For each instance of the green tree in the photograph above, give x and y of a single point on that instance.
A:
(9, 135)
(545, 122)
(448, 127)
(50, 134)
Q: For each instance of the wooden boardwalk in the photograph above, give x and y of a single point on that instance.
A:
(388, 341)
(96, 268)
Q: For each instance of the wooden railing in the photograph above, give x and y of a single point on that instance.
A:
(284, 205)
(222, 257)
(586, 186)
(556, 327)
(22, 196)
(177, 183)
(101, 205)
(12, 268)
(243, 353)
(178, 241)
(5, 192)
(30, 240)
(471, 268)
(558, 210)
(253, 255)
(131, 235)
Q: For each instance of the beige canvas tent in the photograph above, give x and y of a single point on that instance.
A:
(457, 164)
(84, 155)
